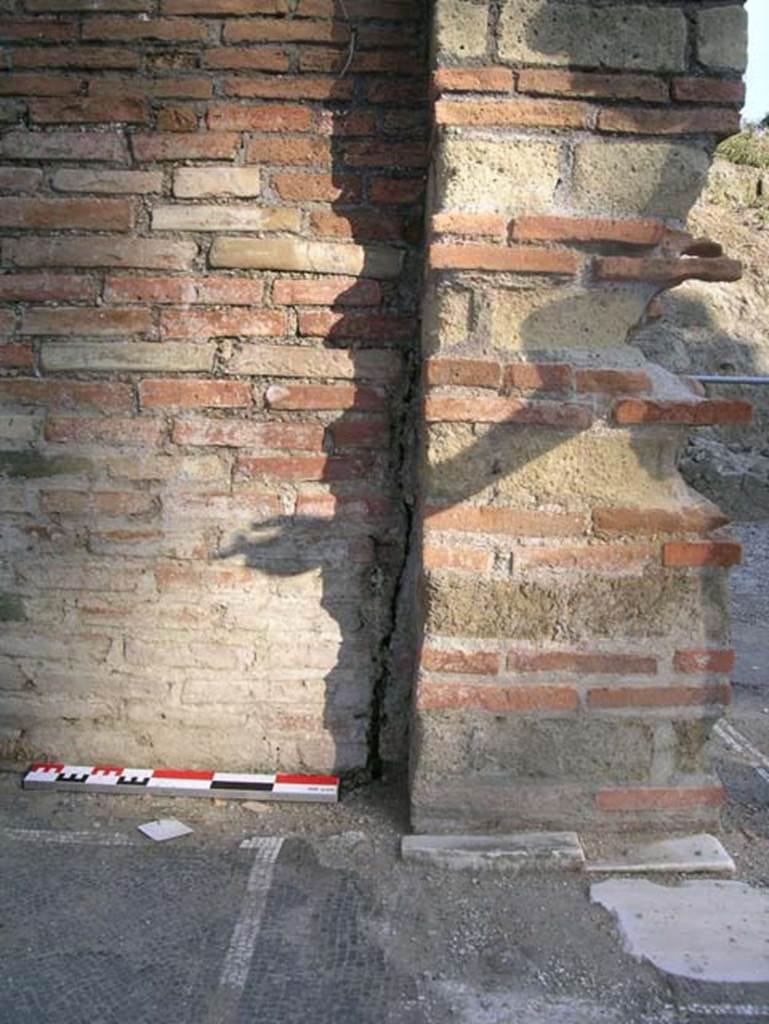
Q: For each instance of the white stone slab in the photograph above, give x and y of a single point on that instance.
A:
(681, 855)
(163, 829)
(522, 851)
(708, 930)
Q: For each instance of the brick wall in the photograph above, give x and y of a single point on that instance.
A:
(210, 276)
(575, 608)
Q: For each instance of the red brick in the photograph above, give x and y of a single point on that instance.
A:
(389, 90)
(191, 87)
(455, 223)
(36, 29)
(325, 396)
(50, 214)
(40, 85)
(298, 468)
(658, 696)
(213, 289)
(345, 291)
(708, 90)
(463, 372)
(16, 357)
(262, 58)
(442, 557)
(516, 522)
(105, 396)
(369, 227)
(20, 179)
(554, 377)
(704, 413)
(46, 288)
(666, 270)
(214, 7)
(517, 259)
(332, 506)
(456, 696)
(674, 121)
(450, 409)
(191, 394)
(238, 433)
(173, 146)
(476, 663)
(100, 251)
(334, 61)
(550, 82)
(73, 146)
(360, 433)
(127, 29)
(110, 431)
(703, 660)
(323, 187)
(284, 150)
(581, 663)
(77, 321)
(701, 553)
(659, 799)
(197, 324)
(382, 153)
(586, 556)
(102, 503)
(285, 30)
(396, 190)
(694, 519)
(177, 119)
(271, 87)
(397, 10)
(266, 117)
(362, 326)
(612, 382)
(84, 109)
(537, 113)
(631, 231)
(75, 57)
(472, 80)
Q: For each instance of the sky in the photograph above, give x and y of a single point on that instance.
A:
(757, 104)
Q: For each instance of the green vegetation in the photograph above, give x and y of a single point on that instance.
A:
(750, 147)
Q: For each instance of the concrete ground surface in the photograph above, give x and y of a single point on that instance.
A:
(322, 921)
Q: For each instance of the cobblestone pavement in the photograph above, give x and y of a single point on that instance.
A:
(100, 926)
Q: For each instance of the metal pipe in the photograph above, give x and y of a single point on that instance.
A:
(707, 379)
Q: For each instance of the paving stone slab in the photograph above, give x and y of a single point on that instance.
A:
(680, 855)
(522, 851)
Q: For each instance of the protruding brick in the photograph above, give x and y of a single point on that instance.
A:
(476, 663)
(521, 259)
(552, 82)
(456, 696)
(660, 799)
(472, 80)
(581, 663)
(611, 697)
(667, 271)
(704, 413)
(450, 409)
(694, 519)
(703, 660)
(702, 553)
(628, 231)
(493, 519)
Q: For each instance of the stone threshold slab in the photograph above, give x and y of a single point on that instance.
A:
(521, 851)
(698, 854)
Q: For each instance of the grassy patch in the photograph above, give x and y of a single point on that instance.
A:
(749, 148)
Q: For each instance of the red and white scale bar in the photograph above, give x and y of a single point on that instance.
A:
(105, 778)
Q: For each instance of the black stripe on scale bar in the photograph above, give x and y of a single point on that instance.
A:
(73, 776)
(263, 786)
(132, 782)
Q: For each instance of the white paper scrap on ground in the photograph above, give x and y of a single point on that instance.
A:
(164, 828)
(707, 930)
(683, 854)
